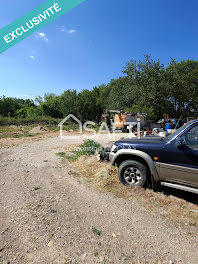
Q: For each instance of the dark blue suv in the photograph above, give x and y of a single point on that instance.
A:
(170, 161)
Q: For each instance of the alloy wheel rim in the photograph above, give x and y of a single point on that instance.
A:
(132, 176)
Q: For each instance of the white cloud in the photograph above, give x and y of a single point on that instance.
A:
(68, 31)
(32, 57)
(71, 31)
(42, 36)
(62, 29)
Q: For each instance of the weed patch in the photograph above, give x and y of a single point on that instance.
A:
(87, 148)
(96, 231)
(74, 174)
(61, 154)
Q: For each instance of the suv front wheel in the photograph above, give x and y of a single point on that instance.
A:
(133, 173)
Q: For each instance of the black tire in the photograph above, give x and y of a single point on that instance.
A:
(133, 173)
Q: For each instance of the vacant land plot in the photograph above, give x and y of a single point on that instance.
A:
(51, 214)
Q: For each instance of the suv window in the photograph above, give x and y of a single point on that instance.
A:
(170, 137)
(190, 138)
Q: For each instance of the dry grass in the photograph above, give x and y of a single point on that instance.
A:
(104, 177)
(16, 135)
(14, 131)
(17, 132)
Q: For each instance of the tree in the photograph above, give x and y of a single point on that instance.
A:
(145, 87)
(148, 79)
(182, 83)
(122, 94)
(9, 106)
(51, 106)
(68, 103)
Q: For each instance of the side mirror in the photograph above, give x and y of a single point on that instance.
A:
(179, 142)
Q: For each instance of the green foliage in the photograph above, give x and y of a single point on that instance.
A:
(87, 148)
(96, 232)
(39, 120)
(68, 103)
(101, 93)
(151, 115)
(9, 106)
(87, 106)
(61, 154)
(51, 106)
(121, 94)
(147, 86)
(148, 80)
(182, 83)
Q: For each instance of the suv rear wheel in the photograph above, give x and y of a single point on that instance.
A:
(133, 173)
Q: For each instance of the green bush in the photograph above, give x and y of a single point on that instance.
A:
(39, 120)
(87, 148)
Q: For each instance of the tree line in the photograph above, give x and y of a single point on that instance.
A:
(146, 86)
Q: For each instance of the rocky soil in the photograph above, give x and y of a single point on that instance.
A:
(47, 215)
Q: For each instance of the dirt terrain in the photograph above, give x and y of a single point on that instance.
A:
(48, 216)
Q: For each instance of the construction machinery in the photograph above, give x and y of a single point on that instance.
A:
(124, 120)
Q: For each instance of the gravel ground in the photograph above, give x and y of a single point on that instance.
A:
(49, 216)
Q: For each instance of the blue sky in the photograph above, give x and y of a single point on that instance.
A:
(92, 43)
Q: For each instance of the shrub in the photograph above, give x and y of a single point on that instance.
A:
(40, 120)
(87, 148)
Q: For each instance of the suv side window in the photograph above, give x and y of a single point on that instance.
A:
(190, 138)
